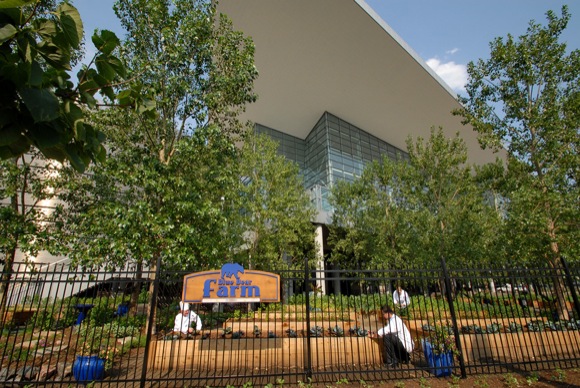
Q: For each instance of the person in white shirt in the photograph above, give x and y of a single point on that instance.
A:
(401, 298)
(185, 319)
(397, 341)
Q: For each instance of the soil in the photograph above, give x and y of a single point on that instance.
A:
(557, 378)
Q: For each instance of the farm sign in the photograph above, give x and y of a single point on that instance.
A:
(231, 284)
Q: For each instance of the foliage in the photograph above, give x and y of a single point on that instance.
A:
(25, 183)
(135, 321)
(442, 340)
(43, 320)
(274, 213)
(560, 375)
(143, 296)
(511, 381)
(96, 340)
(525, 99)
(39, 105)
(160, 194)
(532, 378)
(166, 317)
(414, 211)
(101, 313)
(201, 69)
(119, 330)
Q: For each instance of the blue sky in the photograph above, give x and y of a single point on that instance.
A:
(447, 34)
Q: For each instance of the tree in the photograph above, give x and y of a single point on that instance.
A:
(156, 197)
(132, 209)
(42, 110)
(26, 183)
(275, 214)
(39, 105)
(417, 211)
(526, 98)
(368, 228)
(200, 70)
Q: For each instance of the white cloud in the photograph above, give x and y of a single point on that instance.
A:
(454, 74)
(452, 51)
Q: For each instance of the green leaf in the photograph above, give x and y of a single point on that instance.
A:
(124, 97)
(56, 153)
(146, 105)
(48, 136)
(101, 155)
(41, 103)
(75, 117)
(12, 16)
(106, 42)
(77, 161)
(88, 99)
(104, 68)
(72, 24)
(14, 3)
(45, 28)
(15, 149)
(10, 134)
(117, 65)
(55, 55)
(109, 92)
(7, 32)
(36, 74)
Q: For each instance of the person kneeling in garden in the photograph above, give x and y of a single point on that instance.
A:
(397, 342)
(183, 322)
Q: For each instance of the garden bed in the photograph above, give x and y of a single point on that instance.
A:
(522, 346)
(262, 353)
(253, 349)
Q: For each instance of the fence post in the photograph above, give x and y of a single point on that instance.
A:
(153, 301)
(571, 286)
(449, 298)
(308, 361)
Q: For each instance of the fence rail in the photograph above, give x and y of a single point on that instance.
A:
(499, 320)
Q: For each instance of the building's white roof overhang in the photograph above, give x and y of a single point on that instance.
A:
(339, 56)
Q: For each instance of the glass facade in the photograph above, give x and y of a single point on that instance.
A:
(334, 150)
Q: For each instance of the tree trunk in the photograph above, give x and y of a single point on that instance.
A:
(136, 287)
(151, 301)
(556, 263)
(6, 277)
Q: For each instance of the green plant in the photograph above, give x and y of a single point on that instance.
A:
(343, 380)
(559, 376)
(166, 317)
(137, 321)
(94, 340)
(511, 381)
(442, 339)
(307, 384)
(454, 381)
(364, 384)
(18, 354)
(43, 320)
(138, 342)
(532, 378)
(481, 382)
(120, 331)
(280, 381)
(238, 314)
(400, 384)
(247, 384)
(143, 296)
(424, 383)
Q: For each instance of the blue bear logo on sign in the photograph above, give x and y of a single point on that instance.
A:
(232, 269)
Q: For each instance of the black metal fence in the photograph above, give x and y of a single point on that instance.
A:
(492, 321)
